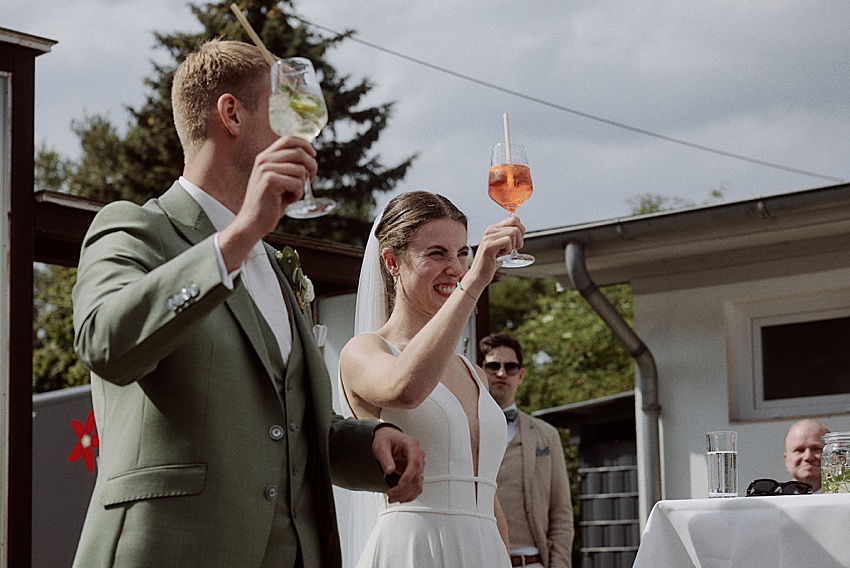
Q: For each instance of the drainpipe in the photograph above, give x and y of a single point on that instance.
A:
(646, 380)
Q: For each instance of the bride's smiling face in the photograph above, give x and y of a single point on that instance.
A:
(435, 261)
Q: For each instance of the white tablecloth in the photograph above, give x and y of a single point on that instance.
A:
(794, 531)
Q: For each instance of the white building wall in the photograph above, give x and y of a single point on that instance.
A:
(337, 313)
(686, 330)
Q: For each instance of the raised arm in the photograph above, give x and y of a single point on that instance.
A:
(123, 322)
(376, 379)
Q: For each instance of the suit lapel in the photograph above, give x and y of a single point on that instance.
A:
(296, 318)
(185, 214)
(307, 360)
(305, 353)
(189, 219)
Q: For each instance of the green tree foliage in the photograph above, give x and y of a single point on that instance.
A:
(653, 202)
(55, 365)
(570, 355)
(514, 299)
(99, 174)
(51, 169)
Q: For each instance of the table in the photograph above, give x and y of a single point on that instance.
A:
(792, 531)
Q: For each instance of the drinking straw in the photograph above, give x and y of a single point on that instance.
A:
(270, 59)
(507, 138)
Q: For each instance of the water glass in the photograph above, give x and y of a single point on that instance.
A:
(722, 460)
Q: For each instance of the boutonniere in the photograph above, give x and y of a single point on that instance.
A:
(290, 263)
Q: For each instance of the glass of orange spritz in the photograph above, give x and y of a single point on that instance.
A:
(509, 185)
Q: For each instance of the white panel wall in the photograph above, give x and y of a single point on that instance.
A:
(686, 331)
(337, 313)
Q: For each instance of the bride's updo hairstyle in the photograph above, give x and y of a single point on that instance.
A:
(402, 218)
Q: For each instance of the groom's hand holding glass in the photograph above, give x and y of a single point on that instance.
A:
(297, 108)
(276, 181)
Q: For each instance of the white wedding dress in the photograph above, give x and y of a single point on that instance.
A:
(452, 523)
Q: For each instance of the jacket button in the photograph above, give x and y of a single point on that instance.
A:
(271, 492)
(276, 432)
(293, 426)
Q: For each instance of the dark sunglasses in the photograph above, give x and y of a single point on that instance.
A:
(773, 487)
(493, 367)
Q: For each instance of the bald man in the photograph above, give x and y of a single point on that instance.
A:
(803, 447)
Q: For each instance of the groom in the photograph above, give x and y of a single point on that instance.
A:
(213, 403)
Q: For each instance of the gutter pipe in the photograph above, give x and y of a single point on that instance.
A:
(646, 380)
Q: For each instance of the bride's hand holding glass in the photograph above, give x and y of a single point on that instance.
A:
(509, 185)
(499, 239)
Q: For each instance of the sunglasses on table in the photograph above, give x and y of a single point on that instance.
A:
(493, 367)
(763, 487)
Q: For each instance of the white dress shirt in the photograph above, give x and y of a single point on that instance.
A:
(257, 272)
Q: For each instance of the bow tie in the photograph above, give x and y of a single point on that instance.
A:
(510, 415)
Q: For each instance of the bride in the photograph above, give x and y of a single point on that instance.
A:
(405, 371)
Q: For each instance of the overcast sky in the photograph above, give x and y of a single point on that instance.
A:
(762, 79)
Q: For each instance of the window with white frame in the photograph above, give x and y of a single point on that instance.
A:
(789, 357)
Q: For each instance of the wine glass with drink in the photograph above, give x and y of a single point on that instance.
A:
(297, 108)
(509, 185)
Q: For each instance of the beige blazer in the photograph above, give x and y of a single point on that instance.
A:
(546, 490)
(197, 444)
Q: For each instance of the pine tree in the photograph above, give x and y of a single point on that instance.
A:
(149, 158)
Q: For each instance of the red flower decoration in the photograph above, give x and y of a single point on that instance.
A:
(88, 440)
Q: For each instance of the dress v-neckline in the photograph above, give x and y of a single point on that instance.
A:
(477, 451)
(470, 370)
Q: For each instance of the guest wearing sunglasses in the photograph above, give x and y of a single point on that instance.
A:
(532, 483)
(803, 447)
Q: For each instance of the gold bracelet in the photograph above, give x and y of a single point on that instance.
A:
(459, 287)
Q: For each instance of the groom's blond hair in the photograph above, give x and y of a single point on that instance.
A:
(215, 68)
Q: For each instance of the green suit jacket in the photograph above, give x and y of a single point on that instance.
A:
(207, 446)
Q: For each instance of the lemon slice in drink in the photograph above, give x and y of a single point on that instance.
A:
(305, 107)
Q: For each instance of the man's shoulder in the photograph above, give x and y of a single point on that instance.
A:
(128, 222)
(535, 422)
(124, 210)
(152, 207)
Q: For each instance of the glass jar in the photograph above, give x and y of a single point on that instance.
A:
(835, 462)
